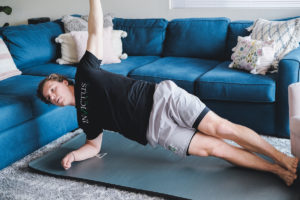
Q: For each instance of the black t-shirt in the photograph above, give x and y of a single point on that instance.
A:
(110, 101)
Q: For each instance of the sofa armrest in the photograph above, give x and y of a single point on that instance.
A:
(295, 125)
(288, 73)
(288, 69)
(294, 100)
(295, 135)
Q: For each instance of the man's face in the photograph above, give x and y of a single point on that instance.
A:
(58, 93)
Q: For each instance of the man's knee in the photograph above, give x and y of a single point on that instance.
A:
(218, 150)
(224, 129)
(204, 145)
(216, 126)
(203, 153)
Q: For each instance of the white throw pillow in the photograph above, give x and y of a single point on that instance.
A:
(7, 66)
(255, 56)
(73, 46)
(286, 35)
(68, 49)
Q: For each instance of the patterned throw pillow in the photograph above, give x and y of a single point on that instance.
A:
(286, 35)
(253, 55)
(7, 66)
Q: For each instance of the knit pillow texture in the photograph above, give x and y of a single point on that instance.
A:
(72, 23)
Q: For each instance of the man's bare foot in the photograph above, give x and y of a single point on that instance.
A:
(289, 163)
(287, 176)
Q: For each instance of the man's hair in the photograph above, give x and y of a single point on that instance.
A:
(51, 77)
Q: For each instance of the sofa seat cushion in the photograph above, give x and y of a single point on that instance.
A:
(24, 87)
(129, 64)
(226, 84)
(49, 68)
(14, 110)
(197, 37)
(32, 44)
(69, 71)
(183, 71)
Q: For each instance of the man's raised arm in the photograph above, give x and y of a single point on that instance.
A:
(95, 29)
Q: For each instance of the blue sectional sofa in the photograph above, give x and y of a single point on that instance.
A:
(194, 53)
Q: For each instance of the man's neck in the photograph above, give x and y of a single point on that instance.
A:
(73, 94)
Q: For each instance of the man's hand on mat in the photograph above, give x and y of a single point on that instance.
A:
(67, 160)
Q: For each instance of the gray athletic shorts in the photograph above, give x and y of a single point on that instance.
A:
(174, 117)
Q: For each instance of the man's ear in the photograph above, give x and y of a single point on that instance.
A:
(65, 82)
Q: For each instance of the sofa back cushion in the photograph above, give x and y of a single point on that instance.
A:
(145, 37)
(235, 29)
(196, 37)
(32, 44)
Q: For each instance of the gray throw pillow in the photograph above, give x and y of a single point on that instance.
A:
(74, 24)
(107, 20)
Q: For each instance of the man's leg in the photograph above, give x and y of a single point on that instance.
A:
(204, 145)
(214, 125)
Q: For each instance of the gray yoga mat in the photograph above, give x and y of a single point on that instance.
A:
(128, 165)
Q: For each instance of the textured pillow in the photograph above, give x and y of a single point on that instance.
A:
(253, 55)
(73, 46)
(74, 23)
(7, 65)
(81, 23)
(286, 35)
(107, 19)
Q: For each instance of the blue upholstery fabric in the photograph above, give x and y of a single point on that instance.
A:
(23, 139)
(288, 73)
(235, 29)
(199, 38)
(257, 116)
(32, 44)
(237, 86)
(49, 68)
(129, 64)
(14, 110)
(183, 71)
(26, 122)
(145, 36)
(24, 87)
(286, 18)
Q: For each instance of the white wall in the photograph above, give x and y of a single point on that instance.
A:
(24, 9)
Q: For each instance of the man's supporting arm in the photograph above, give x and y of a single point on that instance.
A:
(95, 29)
(90, 149)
